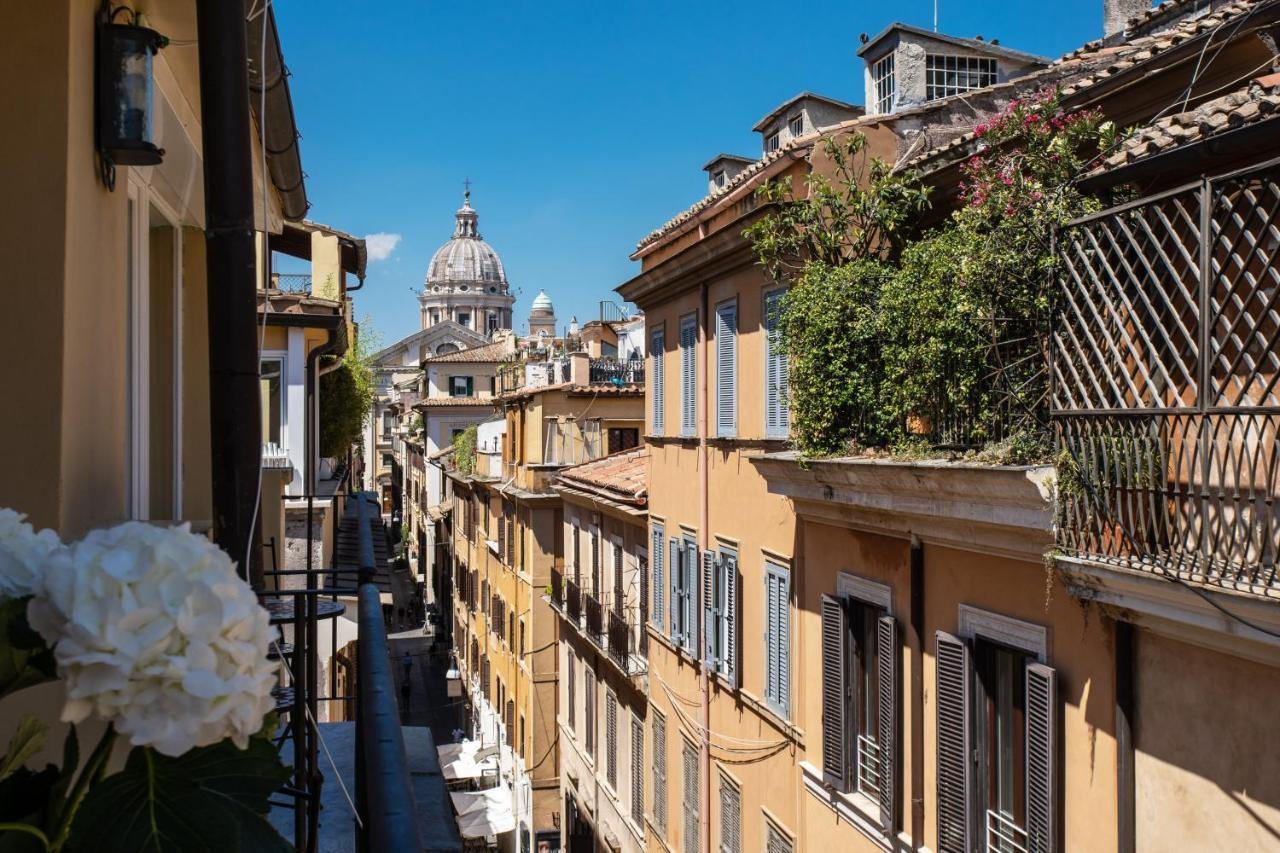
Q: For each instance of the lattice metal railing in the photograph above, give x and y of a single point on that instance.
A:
(1164, 374)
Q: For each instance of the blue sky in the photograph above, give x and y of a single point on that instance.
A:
(582, 126)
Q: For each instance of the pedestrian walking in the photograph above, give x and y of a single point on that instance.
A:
(406, 664)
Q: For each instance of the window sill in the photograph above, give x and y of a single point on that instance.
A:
(855, 808)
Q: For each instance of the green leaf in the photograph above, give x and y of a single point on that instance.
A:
(211, 800)
(27, 740)
(24, 658)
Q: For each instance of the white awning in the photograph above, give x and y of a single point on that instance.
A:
(458, 761)
(483, 813)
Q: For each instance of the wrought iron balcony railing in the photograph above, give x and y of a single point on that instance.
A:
(557, 588)
(613, 371)
(1165, 363)
(291, 282)
(594, 621)
(620, 641)
(572, 600)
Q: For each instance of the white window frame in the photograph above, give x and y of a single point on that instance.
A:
(796, 125)
(963, 67)
(138, 482)
(281, 356)
(773, 142)
(884, 84)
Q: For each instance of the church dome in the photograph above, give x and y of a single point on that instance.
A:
(542, 302)
(466, 261)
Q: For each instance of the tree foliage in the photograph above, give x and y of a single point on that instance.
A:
(890, 331)
(346, 396)
(464, 450)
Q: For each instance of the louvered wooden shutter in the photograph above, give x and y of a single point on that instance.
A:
(637, 771)
(1042, 759)
(589, 714)
(778, 632)
(730, 817)
(570, 678)
(727, 369)
(688, 376)
(511, 723)
(689, 577)
(677, 606)
(729, 603)
(657, 588)
(611, 740)
(577, 556)
(953, 747)
(709, 569)
(888, 658)
(595, 562)
(777, 420)
(692, 835)
(619, 588)
(657, 382)
(836, 729)
(659, 771)
(502, 538)
(775, 841)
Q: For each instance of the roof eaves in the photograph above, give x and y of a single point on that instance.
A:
(803, 96)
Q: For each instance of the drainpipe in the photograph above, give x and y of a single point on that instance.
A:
(1126, 641)
(235, 435)
(704, 534)
(917, 694)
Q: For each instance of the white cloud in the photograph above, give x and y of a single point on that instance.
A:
(381, 245)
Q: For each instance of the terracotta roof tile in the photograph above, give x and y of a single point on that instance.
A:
(434, 402)
(1095, 62)
(486, 354)
(1257, 102)
(623, 476)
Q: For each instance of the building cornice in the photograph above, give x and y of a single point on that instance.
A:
(1005, 511)
(1175, 610)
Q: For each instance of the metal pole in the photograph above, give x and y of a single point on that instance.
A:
(230, 265)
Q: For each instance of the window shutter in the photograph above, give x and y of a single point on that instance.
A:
(691, 818)
(727, 369)
(688, 376)
(775, 841)
(577, 555)
(784, 644)
(888, 657)
(730, 817)
(569, 683)
(502, 538)
(589, 711)
(657, 588)
(595, 562)
(953, 743)
(709, 569)
(677, 608)
(770, 637)
(619, 587)
(729, 598)
(660, 772)
(689, 584)
(1042, 755)
(511, 723)
(657, 383)
(611, 740)
(637, 771)
(836, 730)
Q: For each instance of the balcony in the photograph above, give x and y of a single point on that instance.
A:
(368, 756)
(572, 601)
(612, 371)
(291, 282)
(557, 589)
(594, 622)
(1165, 401)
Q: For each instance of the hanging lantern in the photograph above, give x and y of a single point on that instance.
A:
(126, 122)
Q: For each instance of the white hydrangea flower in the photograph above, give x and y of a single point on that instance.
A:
(23, 553)
(155, 632)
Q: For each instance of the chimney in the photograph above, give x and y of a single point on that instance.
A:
(1117, 13)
